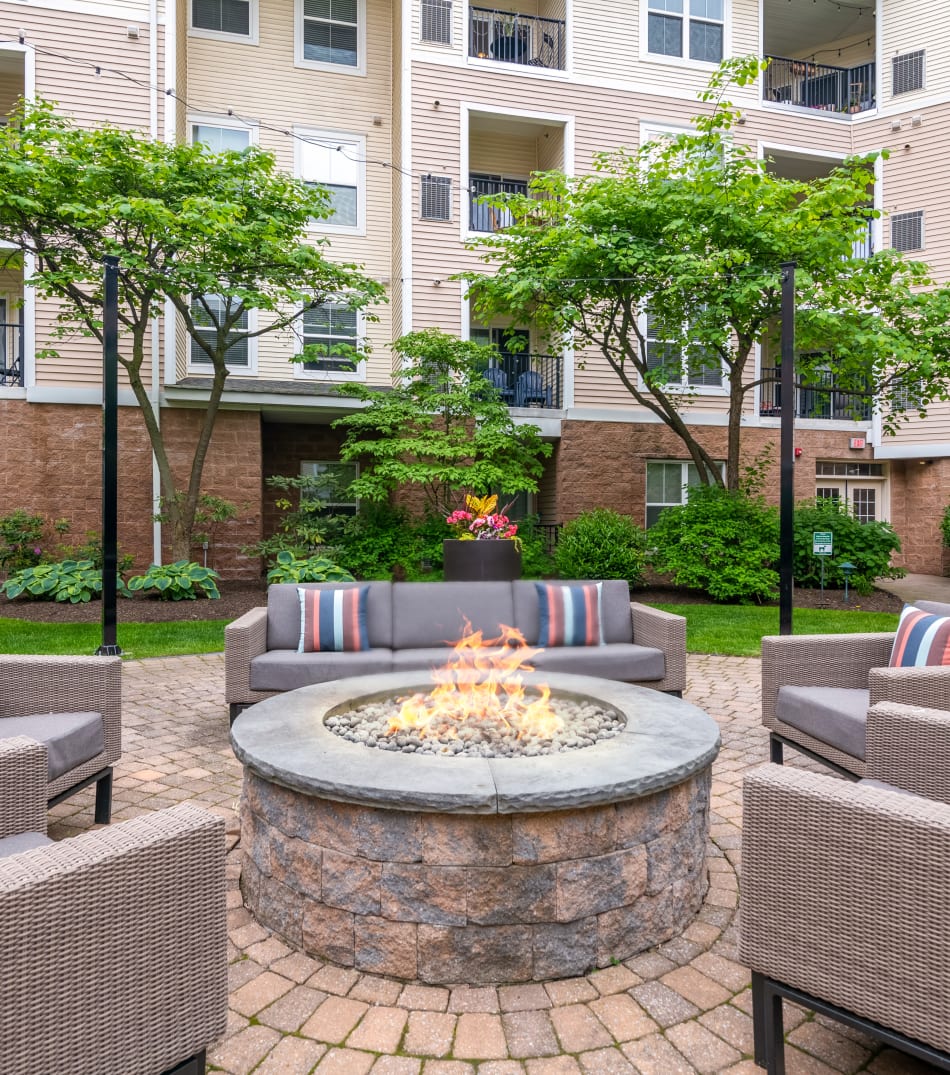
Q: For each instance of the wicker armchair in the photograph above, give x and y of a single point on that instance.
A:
(842, 676)
(31, 687)
(114, 942)
(844, 904)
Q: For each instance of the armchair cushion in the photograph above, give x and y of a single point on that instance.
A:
(23, 841)
(835, 715)
(921, 639)
(70, 738)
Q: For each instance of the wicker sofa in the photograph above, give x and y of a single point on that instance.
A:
(817, 689)
(412, 625)
(114, 942)
(844, 897)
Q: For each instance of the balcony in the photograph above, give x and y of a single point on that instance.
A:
(805, 84)
(489, 218)
(820, 398)
(11, 353)
(528, 380)
(513, 37)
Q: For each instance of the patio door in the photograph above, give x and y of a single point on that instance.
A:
(865, 498)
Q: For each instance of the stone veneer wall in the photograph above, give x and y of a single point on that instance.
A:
(469, 897)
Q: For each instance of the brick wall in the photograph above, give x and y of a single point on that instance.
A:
(285, 446)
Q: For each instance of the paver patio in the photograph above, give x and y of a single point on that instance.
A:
(679, 1009)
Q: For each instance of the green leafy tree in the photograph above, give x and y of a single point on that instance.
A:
(214, 235)
(692, 231)
(442, 427)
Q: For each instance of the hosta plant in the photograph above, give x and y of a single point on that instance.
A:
(68, 580)
(290, 568)
(180, 581)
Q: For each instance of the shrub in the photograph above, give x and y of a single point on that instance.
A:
(725, 543)
(68, 580)
(91, 549)
(382, 541)
(601, 544)
(536, 561)
(945, 526)
(869, 546)
(290, 568)
(22, 540)
(180, 581)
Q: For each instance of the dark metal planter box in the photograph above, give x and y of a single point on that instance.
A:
(480, 561)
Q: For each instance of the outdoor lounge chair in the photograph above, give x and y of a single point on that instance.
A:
(816, 691)
(844, 903)
(114, 942)
(74, 706)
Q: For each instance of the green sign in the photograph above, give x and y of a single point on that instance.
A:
(821, 542)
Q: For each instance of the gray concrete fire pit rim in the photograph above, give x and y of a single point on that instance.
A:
(665, 741)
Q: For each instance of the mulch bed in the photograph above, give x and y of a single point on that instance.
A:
(238, 598)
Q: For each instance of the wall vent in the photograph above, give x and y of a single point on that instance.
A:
(907, 230)
(907, 72)
(437, 21)
(436, 197)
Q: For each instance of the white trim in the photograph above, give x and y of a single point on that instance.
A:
(358, 143)
(331, 376)
(91, 397)
(250, 38)
(205, 369)
(124, 11)
(29, 323)
(406, 177)
(934, 450)
(338, 68)
(662, 60)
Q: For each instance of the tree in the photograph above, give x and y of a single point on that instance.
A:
(667, 260)
(442, 427)
(217, 235)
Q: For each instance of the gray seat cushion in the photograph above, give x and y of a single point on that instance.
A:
(427, 614)
(283, 612)
(285, 669)
(70, 738)
(424, 657)
(622, 661)
(615, 610)
(23, 841)
(837, 716)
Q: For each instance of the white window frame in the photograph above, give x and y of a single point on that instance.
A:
(357, 145)
(204, 368)
(319, 65)
(226, 123)
(684, 465)
(250, 38)
(339, 376)
(684, 60)
(308, 470)
(684, 385)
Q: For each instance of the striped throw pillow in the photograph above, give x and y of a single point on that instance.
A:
(921, 639)
(570, 615)
(332, 620)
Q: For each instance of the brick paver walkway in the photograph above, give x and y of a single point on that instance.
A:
(679, 1009)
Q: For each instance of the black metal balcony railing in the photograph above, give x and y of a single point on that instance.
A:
(511, 37)
(820, 85)
(864, 246)
(11, 353)
(484, 217)
(820, 398)
(528, 380)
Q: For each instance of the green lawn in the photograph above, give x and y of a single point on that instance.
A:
(136, 639)
(737, 630)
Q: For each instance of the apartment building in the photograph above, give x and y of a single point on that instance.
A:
(412, 111)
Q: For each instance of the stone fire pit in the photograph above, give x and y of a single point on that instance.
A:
(474, 870)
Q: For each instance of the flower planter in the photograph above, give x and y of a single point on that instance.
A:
(480, 561)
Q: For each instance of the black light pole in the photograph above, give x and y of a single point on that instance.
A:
(786, 452)
(110, 455)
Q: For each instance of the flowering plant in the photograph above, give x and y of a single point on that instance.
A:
(478, 521)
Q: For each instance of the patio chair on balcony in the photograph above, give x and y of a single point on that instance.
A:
(73, 705)
(114, 942)
(496, 376)
(530, 389)
(844, 891)
(817, 689)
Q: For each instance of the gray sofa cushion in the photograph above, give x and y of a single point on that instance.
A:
(623, 661)
(837, 716)
(935, 608)
(283, 612)
(23, 841)
(615, 610)
(285, 669)
(70, 738)
(434, 613)
(425, 658)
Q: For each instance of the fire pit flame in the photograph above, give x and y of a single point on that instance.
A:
(481, 682)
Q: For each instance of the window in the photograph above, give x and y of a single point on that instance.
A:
(329, 493)
(233, 17)
(329, 32)
(220, 139)
(436, 197)
(437, 21)
(907, 72)
(690, 29)
(697, 368)
(329, 333)
(667, 486)
(337, 163)
(238, 354)
(907, 230)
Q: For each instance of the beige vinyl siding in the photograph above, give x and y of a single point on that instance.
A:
(934, 429)
(909, 25)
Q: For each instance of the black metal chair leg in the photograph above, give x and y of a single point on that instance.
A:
(774, 1031)
(103, 813)
(194, 1065)
(759, 1015)
(775, 750)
